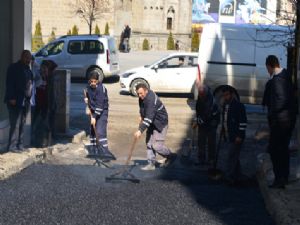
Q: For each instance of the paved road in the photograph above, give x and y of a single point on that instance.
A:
(67, 189)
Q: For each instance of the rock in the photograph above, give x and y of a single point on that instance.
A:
(77, 138)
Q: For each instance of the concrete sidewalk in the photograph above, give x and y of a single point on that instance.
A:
(282, 204)
(12, 163)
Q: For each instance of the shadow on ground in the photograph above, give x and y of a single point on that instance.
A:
(227, 203)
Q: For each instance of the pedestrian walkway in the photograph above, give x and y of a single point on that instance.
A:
(282, 204)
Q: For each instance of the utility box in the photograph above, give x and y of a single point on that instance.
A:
(62, 84)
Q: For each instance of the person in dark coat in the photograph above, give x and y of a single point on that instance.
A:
(207, 119)
(97, 100)
(234, 121)
(154, 119)
(279, 100)
(43, 119)
(126, 36)
(19, 81)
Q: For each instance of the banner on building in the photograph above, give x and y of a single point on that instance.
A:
(234, 11)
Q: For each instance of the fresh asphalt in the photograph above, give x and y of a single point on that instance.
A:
(76, 192)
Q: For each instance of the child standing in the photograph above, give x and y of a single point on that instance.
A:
(97, 100)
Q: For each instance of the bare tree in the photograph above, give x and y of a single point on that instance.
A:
(90, 10)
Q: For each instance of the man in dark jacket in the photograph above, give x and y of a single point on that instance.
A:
(154, 119)
(126, 37)
(234, 120)
(17, 98)
(278, 97)
(207, 120)
(97, 100)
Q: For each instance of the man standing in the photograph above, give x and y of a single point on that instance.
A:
(235, 123)
(154, 118)
(17, 97)
(97, 100)
(126, 36)
(278, 97)
(207, 119)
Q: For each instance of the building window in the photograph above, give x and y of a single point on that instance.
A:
(169, 23)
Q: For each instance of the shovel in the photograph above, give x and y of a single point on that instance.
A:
(214, 173)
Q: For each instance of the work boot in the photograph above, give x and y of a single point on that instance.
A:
(170, 159)
(161, 161)
(149, 167)
(108, 154)
(91, 149)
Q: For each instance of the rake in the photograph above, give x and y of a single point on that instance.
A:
(124, 174)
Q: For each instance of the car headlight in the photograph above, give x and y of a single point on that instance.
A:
(125, 75)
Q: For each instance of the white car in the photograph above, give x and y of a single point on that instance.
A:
(83, 54)
(175, 73)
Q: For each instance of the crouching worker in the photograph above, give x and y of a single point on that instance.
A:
(154, 119)
(234, 123)
(97, 101)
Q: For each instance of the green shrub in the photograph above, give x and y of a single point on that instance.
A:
(69, 32)
(195, 41)
(97, 29)
(52, 37)
(106, 29)
(146, 45)
(75, 30)
(170, 43)
(37, 38)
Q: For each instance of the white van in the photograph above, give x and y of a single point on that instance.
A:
(83, 54)
(235, 55)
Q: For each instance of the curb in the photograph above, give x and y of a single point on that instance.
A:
(277, 203)
(16, 162)
(13, 163)
(74, 135)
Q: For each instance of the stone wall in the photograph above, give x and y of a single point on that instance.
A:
(57, 15)
(158, 41)
(145, 17)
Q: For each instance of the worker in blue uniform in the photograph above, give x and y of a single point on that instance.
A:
(154, 119)
(97, 100)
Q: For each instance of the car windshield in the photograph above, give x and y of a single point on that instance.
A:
(156, 62)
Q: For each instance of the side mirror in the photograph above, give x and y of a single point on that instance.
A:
(44, 52)
(155, 67)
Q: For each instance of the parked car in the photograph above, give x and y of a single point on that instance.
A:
(175, 73)
(83, 54)
(235, 55)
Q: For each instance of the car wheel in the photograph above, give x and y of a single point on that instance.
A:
(135, 83)
(93, 70)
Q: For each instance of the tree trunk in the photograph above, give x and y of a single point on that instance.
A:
(90, 27)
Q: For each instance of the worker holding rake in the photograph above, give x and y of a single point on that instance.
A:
(154, 119)
(97, 100)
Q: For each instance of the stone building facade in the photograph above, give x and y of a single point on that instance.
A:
(151, 19)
